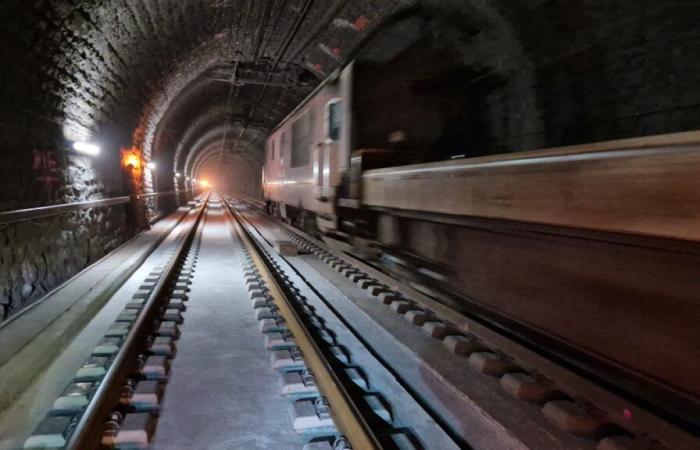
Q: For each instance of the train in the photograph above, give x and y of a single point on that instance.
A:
(551, 244)
(316, 156)
(341, 166)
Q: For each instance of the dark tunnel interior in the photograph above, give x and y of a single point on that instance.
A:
(193, 89)
(337, 224)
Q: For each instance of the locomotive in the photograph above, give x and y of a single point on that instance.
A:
(404, 164)
(523, 241)
(360, 118)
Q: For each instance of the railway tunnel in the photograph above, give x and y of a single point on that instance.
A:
(336, 224)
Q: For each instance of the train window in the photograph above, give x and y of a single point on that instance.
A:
(283, 144)
(272, 149)
(335, 120)
(301, 139)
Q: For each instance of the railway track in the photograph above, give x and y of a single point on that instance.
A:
(115, 399)
(131, 360)
(568, 400)
(297, 333)
(259, 328)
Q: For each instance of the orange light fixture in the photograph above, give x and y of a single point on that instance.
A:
(131, 159)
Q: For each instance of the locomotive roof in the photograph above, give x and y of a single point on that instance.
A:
(332, 78)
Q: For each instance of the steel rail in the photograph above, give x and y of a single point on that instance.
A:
(572, 381)
(20, 215)
(343, 409)
(89, 430)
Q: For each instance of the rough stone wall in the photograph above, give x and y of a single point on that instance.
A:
(605, 70)
(37, 255)
(544, 73)
(37, 168)
(51, 92)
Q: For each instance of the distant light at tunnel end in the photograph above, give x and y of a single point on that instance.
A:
(205, 184)
(86, 148)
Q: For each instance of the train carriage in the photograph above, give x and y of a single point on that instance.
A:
(493, 235)
(307, 152)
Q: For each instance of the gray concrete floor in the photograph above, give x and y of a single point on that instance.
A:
(223, 393)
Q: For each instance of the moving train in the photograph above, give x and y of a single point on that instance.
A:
(356, 120)
(552, 244)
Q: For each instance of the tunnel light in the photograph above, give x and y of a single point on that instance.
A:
(132, 160)
(86, 147)
(177, 175)
(205, 183)
(187, 178)
(151, 165)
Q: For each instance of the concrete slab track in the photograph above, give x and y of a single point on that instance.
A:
(222, 393)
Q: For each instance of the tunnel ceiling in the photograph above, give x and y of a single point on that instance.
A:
(182, 80)
(179, 76)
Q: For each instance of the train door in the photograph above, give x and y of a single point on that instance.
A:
(326, 153)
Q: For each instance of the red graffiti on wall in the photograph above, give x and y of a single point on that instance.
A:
(47, 169)
(361, 23)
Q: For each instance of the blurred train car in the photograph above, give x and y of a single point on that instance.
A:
(306, 154)
(362, 117)
(381, 160)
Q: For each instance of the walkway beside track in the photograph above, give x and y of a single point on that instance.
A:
(68, 324)
(222, 393)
